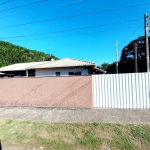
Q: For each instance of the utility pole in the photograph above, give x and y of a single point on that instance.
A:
(116, 56)
(135, 57)
(146, 39)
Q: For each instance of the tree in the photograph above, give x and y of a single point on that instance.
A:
(127, 61)
(111, 68)
(11, 54)
(104, 66)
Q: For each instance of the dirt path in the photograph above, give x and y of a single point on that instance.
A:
(77, 115)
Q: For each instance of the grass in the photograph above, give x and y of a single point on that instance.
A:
(67, 136)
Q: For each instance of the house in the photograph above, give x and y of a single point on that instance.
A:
(63, 67)
(19, 69)
(2, 74)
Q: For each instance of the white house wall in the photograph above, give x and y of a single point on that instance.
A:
(63, 71)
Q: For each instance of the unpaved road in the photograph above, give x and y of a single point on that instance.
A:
(141, 116)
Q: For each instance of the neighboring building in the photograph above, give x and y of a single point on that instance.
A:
(2, 74)
(63, 67)
(20, 69)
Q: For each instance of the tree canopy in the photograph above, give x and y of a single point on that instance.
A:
(11, 54)
(127, 59)
(104, 66)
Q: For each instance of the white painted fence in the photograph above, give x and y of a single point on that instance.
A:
(121, 90)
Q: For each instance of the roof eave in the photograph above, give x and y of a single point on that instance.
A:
(12, 70)
(100, 70)
(62, 67)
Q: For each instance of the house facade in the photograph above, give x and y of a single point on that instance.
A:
(62, 71)
(63, 67)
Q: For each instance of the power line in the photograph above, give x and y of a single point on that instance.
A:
(15, 14)
(9, 15)
(46, 21)
(96, 12)
(23, 5)
(78, 15)
(141, 46)
(69, 2)
(131, 34)
(72, 35)
(6, 2)
(75, 29)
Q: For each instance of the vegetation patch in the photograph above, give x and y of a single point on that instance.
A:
(12, 54)
(66, 136)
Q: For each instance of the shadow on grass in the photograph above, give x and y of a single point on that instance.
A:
(0, 145)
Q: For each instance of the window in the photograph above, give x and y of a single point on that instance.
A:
(57, 73)
(71, 73)
(75, 73)
(78, 73)
(10, 75)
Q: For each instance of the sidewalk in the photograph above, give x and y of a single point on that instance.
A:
(141, 116)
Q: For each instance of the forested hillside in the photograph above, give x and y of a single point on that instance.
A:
(11, 54)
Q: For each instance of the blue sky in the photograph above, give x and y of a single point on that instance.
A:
(88, 37)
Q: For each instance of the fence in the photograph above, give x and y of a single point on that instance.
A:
(121, 90)
(74, 91)
(109, 91)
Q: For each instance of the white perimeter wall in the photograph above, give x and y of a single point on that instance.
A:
(121, 91)
(63, 71)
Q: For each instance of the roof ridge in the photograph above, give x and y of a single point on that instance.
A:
(27, 62)
(45, 62)
(82, 60)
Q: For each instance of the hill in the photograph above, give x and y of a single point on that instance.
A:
(11, 54)
(72, 136)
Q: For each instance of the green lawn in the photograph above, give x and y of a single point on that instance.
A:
(67, 136)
